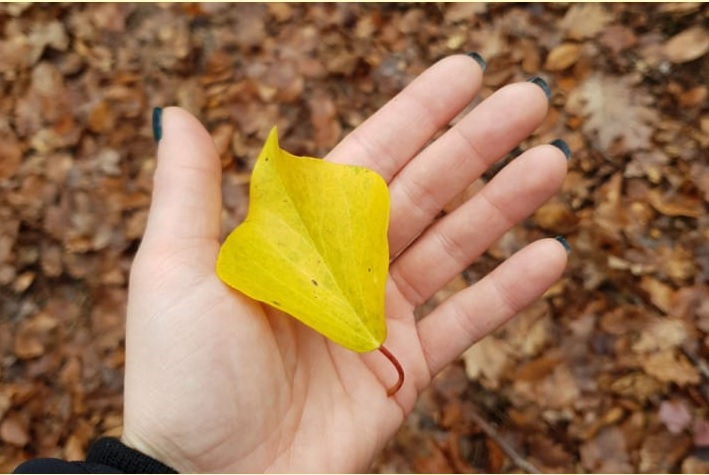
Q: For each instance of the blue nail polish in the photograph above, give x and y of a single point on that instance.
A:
(157, 123)
(543, 84)
(564, 243)
(476, 56)
(563, 146)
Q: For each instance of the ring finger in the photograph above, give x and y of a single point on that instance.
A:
(448, 246)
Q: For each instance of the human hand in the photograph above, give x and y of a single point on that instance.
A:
(216, 382)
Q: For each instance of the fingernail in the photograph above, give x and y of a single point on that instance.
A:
(564, 243)
(543, 84)
(157, 123)
(563, 146)
(479, 59)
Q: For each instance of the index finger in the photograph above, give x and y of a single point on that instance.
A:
(393, 135)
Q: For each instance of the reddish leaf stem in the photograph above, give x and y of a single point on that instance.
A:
(400, 371)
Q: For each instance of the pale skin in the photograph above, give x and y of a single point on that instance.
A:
(216, 382)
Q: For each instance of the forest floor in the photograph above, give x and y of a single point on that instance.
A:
(609, 372)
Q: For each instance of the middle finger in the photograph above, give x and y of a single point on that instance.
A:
(458, 157)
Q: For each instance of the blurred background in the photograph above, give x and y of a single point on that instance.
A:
(607, 373)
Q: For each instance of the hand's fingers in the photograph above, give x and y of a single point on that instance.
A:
(461, 155)
(452, 243)
(186, 200)
(474, 312)
(389, 138)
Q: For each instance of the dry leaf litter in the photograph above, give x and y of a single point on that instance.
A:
(608, 372)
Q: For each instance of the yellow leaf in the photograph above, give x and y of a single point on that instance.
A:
(314, 244)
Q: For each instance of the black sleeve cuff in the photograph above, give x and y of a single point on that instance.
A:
(106, 455)
(111, 452)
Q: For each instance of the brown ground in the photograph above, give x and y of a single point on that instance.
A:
(608, 372)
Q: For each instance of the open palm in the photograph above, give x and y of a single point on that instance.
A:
(216, 382)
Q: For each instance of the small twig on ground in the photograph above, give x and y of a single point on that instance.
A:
(510, 451)
(702, 366)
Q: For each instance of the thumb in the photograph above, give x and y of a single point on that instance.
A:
(186, 202)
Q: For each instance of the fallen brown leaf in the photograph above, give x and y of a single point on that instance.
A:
(487, 360)
(618, 38)
(689, 45)
(660, 452)
(562, 57)
(614, 109)
(585, 20)
(668, 367)
(660, 334)
(14, 430)
(661, 296)
(694, 464)
(677, 205)
(675, 416)
(606, 453)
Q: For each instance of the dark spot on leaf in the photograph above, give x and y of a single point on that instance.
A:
(369, 269)
(266, 159)
(276, 303)
(315, 282)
